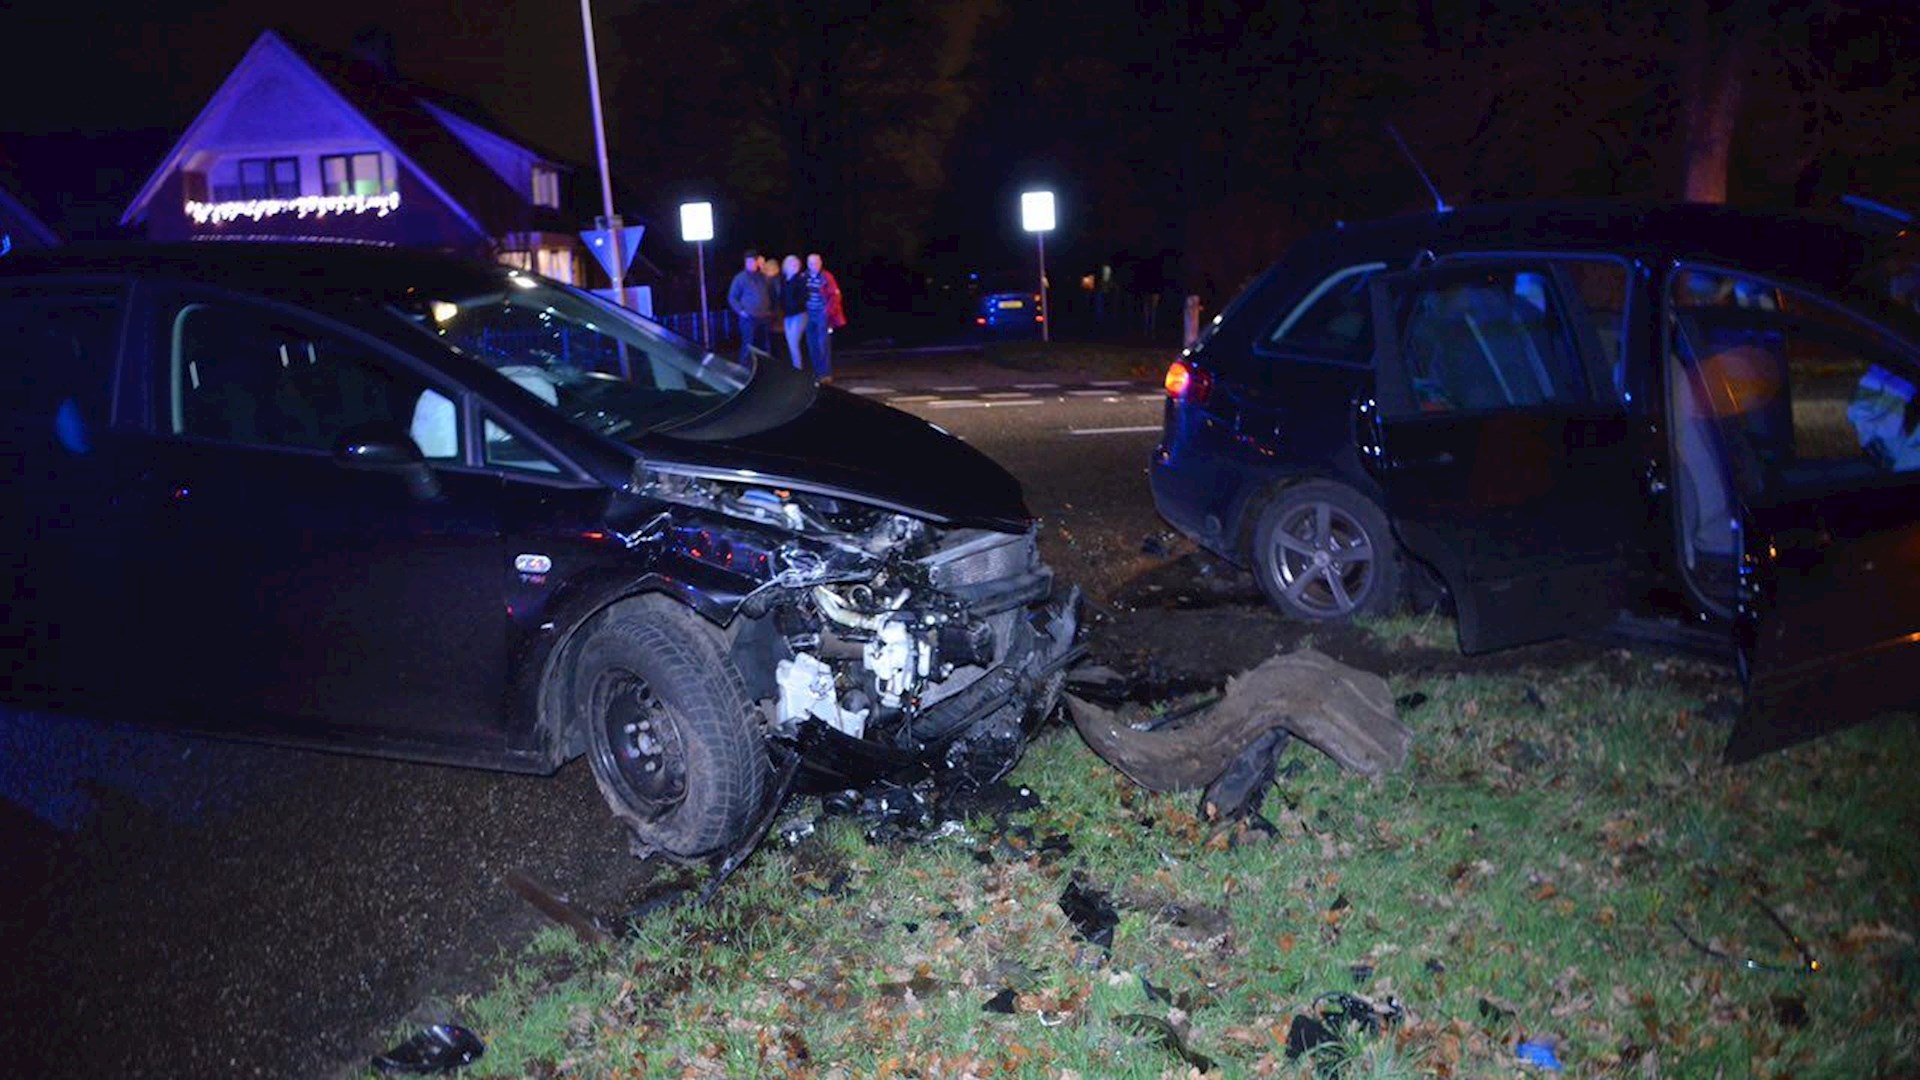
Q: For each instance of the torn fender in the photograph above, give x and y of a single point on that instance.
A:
(1345, 713)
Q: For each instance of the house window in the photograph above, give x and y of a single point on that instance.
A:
(519, 260)
(355, 174)
(270, 178)
(556, 263)
(546, 186)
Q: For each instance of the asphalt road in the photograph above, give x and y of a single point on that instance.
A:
(184, 907)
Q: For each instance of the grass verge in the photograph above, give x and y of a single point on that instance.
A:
(1520, 880)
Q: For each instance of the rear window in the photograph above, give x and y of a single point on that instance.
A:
(1333, 322)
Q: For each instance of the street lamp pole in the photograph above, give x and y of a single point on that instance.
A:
(706, 324)
(611, 222)
(696, 228)
(1037, 217)
(1046, 318)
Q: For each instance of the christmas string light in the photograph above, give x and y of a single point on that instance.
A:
(220, 213)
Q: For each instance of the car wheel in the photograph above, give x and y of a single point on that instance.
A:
(669, 730)
(1323, 552)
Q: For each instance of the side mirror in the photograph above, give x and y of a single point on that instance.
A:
(382, 447)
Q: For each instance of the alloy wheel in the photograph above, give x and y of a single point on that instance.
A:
(1323, 559)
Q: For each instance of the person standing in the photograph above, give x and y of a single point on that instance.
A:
(747, 297)
(793, 305)
(770, 281)
(823, 307)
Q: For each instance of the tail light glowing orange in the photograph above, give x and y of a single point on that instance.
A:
(1187, 383)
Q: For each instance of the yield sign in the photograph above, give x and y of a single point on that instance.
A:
(600, 242)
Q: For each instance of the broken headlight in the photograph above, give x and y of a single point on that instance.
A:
(869, 528)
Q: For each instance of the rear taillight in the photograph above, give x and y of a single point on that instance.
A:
(1188, 383)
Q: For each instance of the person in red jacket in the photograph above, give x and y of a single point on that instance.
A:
(826, 312)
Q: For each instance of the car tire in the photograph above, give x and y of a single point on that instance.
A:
(670, 734)
(1323, 552)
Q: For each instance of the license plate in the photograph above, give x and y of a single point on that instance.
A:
(1012, 305)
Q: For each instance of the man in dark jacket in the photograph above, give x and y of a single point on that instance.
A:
(748, 298)
(793, 305)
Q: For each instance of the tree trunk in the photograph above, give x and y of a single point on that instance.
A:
(1713, 86)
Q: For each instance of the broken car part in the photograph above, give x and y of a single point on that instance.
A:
(1171, 1037)
(434, 1049)
(1242, 786)
(1343, 712)
(1090, 911)
(559, 909)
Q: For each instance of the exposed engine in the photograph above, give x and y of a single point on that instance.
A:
(882, 627)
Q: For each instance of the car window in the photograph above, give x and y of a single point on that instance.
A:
(595, 363)
(58, 352)
(1600, 286)
(505, 450)
(1333, 321)
(1492, 338)
(245, 374)
(1806, 393)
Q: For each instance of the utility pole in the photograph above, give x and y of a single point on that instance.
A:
(609, 220)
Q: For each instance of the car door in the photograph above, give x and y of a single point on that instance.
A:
(68, 517)
(307, 594)
(1813, 408)
(1501, 466)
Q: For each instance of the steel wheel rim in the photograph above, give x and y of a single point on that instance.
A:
(1323, 559)
(645, 748)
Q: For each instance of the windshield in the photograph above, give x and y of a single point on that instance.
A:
(598, 364)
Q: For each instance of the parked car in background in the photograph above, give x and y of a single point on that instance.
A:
(1693, 421)
(1007, 307)
(391, 503)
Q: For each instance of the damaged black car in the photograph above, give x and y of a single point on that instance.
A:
(1691, 423)
(391, 503)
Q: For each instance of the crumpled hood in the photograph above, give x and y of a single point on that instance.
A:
(847, 446)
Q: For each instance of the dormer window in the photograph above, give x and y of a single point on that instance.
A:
(355, 174)
(546, 186)
(270, 178)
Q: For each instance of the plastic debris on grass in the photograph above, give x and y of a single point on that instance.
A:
(434, 1049)
(1537, 1054)
(1339, 1013)
(1090, 911)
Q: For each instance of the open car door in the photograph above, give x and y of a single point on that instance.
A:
(1829, 623)
(1813, 407)
(1504, 468)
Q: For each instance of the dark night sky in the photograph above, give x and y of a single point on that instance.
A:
(89, 65)
(1215, 132)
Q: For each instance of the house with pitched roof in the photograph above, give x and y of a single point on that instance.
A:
(299, 144)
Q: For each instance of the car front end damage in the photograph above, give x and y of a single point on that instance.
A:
(873, 643)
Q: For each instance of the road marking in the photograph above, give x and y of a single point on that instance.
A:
(1002, 395)
(954, 389)
(1036, 386)
(1112, 382)
(1139, 430)
(924, 350)
(982, 404)
(1086, 393)
(1147, 397)
(874, 391)
(909, 399)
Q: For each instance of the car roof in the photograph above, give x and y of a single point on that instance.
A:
(307, 270)
(1825, 252)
